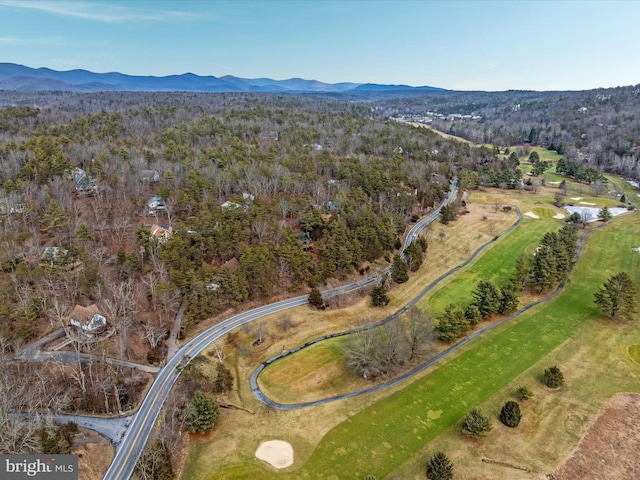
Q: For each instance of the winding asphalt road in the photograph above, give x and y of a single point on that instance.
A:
(255, 388)
(137, 434)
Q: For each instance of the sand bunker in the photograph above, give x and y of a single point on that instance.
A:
(276, 453)
(576, 198)
(586, 203)
(558, 215)
(531, 214)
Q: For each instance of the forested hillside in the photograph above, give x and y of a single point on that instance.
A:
(597, 128)
(150, 200)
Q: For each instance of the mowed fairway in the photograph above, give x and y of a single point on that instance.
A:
(379, 439)
(497, 265)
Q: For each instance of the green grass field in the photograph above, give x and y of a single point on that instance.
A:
(391, 434)
(497, 265)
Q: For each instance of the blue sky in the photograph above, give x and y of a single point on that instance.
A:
(465, 45)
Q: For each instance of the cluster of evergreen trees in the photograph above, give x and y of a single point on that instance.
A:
(552, 259)
(488, 300)
(571, 168)
(542, 272)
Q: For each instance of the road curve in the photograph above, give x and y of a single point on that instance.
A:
(137, 434)
(255, 388)
(280, 406)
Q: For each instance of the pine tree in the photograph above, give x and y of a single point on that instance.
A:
(315, 298)
(523, 393)
(378, 297)
(617, 297)
(448, 213)
(543, 269)
(224, 379)
(472, 313)
(510, 414)
(604, 214)
(452, 324)
(521, 276)
(439, 467)
(399, 270)
(475, 424)
(553, 377)
(487, 298)
(508, 298)
(202, 413)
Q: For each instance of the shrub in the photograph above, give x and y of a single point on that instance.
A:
(475, 424)
(439, 467)
(315, 298)
(523, 393)
(552, 377)
(510, 414)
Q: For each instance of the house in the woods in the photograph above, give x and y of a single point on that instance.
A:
(149, 176)
(155, 204)
(58, 258)
(13, 203)
(85, 185)
(161, 234)
(88, 321)
(307, 244)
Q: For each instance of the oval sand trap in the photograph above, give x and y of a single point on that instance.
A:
(276, 453)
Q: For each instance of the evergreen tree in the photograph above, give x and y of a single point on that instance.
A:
(224, 379)
(523, 268)
(510, 414)
(439, 467)
(553, 377)
(508, 298)
(472, 313)
(617, 296)
(399, 270)
(415, 255)
(523, 393)
(452, 324)
(448, 213)
(315, 298)
(378, 297)
(202, 413)
(486, 298)
(543, 269)
(475, 424)
(604, 214)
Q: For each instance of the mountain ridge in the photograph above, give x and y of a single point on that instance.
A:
(18, 77)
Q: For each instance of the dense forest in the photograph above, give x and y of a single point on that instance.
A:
(253, 195)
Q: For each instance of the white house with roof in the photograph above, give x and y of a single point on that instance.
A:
(88, 320)
(155, 204)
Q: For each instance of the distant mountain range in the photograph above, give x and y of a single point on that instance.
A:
(21, 78)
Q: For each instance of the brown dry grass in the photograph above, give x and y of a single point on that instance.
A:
(95, 454)
(610, 447)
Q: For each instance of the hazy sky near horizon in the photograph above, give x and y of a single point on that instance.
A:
(461, 45)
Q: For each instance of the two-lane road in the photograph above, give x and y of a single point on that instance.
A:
(137, 434)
